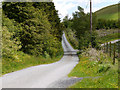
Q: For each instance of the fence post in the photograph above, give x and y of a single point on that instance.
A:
(114, 54)
(107, 47)
(104, 48)
(110, 49)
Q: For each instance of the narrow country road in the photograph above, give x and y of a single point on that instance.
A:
(111, 42)
(42, 76)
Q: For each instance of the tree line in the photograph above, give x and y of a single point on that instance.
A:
(107, 24)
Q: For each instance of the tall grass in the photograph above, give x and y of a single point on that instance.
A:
(22, 61)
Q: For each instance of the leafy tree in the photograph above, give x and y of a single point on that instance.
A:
(37, 34)
(80, 23)
(10, 45)
(53, 17)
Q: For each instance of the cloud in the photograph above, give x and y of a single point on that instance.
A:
(65, 7)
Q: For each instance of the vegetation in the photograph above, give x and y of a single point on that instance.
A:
(95, 66)
(108, 13)
(98, 67)
(70, 35)
(80, 25)
(30, 30)
(107, 17)
(107, 24)
(108, 38)
(104, 32)
(22, 60)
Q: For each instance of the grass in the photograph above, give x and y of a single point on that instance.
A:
(108, 81)
(108, 13)
(108, 38)
(23, 61)
(95, 63)
(85, 68)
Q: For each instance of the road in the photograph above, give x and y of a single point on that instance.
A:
(42, 76)
(111, 42)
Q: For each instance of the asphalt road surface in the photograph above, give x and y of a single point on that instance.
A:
(43, 76)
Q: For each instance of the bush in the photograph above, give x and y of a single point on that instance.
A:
(85, 41)
(9, 46)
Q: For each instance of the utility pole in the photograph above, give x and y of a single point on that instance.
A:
(91, 20)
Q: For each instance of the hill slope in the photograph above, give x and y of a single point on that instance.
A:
(109, 12)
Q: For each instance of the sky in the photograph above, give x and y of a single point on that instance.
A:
(67, 7)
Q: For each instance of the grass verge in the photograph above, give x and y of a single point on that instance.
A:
(22, 61)
(95, 63)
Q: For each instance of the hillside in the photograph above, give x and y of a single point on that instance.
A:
(109, 12)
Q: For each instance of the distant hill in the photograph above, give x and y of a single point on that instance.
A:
(108, 13)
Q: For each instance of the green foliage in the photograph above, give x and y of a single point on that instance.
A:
(106, 24)
(32, 35)
(34, 24)
(67, 22)
(108, 38)
(80, 24)
(10, 45)
(22, 60)
(52, 14)
(87, 39)
(107, 17)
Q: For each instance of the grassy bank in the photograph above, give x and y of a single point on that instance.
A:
(22, 61)
(108, 38)
(95, 63)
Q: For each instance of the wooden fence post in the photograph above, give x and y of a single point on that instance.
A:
(107, 48)
(104, 48)
(114, 54)
(110, 49)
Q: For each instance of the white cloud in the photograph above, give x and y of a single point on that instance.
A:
(64, 6)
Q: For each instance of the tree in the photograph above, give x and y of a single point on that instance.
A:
(37, 34)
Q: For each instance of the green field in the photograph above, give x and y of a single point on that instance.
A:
(108, 13)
